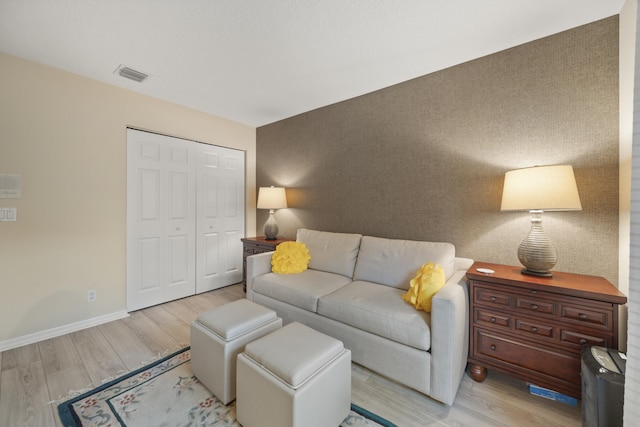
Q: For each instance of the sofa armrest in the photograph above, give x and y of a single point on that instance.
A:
(257, 265)
(462, 264)
(450, 336)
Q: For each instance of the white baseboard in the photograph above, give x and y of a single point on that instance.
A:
(60, 330)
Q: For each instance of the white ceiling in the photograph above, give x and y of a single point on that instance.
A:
(259, 61)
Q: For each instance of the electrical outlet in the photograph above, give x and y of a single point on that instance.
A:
(92, 296)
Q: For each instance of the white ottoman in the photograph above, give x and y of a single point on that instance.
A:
(295, 376)
(219, 335)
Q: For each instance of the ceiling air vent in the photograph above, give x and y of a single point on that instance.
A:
(132, 74)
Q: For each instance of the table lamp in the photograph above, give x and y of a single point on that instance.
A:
(271, 198)
(538, 189)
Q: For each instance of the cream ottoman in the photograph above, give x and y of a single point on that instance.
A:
(294, 376)
(219, 335)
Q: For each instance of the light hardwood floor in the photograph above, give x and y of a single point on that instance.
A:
(35, 376)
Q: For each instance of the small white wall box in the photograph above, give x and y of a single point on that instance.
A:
(10, 186)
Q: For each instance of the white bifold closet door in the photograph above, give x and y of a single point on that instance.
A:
(185, 218)
(219, 217)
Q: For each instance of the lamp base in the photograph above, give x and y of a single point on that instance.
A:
(271, 227)
(536, 273)
(536, 252)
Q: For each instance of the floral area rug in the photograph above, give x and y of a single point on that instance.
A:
(166, 393)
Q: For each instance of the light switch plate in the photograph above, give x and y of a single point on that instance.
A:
(8, 214)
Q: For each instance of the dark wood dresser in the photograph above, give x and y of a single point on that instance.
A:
(533, 328)
(256, 245)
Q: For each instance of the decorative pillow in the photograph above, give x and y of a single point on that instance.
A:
(427, 282)
(290, 258)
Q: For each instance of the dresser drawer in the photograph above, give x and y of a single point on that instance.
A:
(535, 328)
(586, 315)
(534, 306)
(491, 296)
(257, 249)
(491, 318)
(527, 356)
(579, 339)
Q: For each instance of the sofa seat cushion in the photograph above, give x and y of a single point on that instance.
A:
(302, 289)
(394, 262)
(380, 310)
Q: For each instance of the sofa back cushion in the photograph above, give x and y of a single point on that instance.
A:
(332, 252)
(394, 262)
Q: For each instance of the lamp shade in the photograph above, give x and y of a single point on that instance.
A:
(546, 188)
(272, 198)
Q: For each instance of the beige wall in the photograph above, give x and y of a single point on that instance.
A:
(426, 159)
(66, 136)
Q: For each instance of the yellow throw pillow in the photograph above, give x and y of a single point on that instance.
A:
(290, 258)
(428, 281)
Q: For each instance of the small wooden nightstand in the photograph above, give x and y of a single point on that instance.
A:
(533, 328)
(256, 245)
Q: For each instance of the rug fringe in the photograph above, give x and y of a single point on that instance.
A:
(158, 356)
(74, 393)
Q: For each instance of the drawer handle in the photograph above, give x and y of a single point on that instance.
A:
(493, 347)
(534, 329)
(493, 320)
(493, 299)
(583, 341)
(534, 306)
(582, 316)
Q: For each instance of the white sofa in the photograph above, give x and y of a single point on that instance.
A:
(353, 290)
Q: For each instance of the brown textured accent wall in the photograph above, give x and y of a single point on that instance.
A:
(425, 159)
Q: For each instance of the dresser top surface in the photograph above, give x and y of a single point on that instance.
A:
(592, 287)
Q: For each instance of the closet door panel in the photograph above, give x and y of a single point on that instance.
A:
(208, 245)
(211, 256)
(233, 263)
(180, 228)
(234, 219)
(160, 219)
(220, 213)
(149, 263)
(178, 260)
(149, 194)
